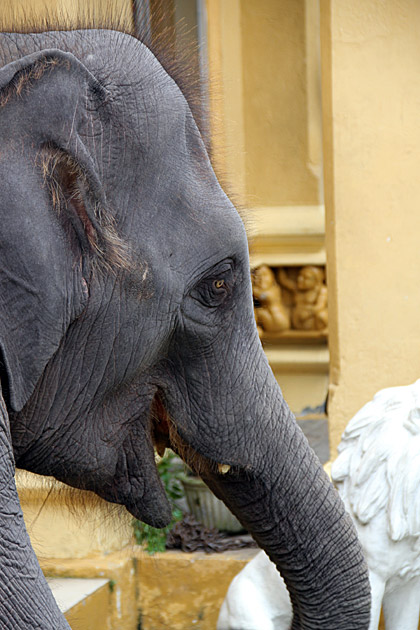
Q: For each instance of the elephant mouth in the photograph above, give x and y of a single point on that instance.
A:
(165, 434)
(150, 504)
(161, 426)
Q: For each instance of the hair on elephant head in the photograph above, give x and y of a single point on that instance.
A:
(127, 320)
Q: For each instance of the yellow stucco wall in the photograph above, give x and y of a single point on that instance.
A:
(167, 591)
(92, 613)
(226, 92)
(371, 96)
(67, 523)
(180, 591)
(259, 99)
(275, 104)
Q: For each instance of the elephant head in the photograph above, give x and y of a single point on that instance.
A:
(127, 314)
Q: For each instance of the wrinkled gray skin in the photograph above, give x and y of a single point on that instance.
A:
(86, 349)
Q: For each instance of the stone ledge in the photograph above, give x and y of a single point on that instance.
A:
(186, 590)
(167, 591)
(68, 592)
(119, 568)
(287, 235)
(299, 358)
(84, 602)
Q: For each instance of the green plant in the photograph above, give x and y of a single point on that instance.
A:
(155, 539)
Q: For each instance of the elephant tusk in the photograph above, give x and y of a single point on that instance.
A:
(223, 468)
(161, 448)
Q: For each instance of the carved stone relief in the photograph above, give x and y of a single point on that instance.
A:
(270, 312)
(290, 298)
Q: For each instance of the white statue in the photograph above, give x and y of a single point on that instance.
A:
(377, 474)
(257, 599)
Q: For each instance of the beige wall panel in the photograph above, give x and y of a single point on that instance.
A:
(275, 104)
(226, 92)
(371, 88)
(302, 390)
(302, 373)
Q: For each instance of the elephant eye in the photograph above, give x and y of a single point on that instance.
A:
(213, 290)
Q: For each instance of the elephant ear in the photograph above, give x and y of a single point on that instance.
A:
(53, 228)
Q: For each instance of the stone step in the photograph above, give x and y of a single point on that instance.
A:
(84, 602)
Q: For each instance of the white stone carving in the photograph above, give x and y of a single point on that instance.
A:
(377, 473)
(257, 599)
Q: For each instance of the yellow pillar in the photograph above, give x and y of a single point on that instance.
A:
(371, 96)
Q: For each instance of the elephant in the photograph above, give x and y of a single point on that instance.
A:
(127, 321)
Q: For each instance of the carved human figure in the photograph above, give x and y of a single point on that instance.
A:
(310, 296)
(272, 315)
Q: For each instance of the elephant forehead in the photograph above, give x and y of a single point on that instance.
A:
(180, 203)
(184, 235)
(154, 127)
(135, 80)
(137, 83)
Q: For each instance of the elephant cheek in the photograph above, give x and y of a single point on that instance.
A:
(145, 496)
(137, 486)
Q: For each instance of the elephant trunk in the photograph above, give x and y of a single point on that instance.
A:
(250, 451)
(287, 502)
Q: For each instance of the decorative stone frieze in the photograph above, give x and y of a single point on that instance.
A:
(291, 302)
